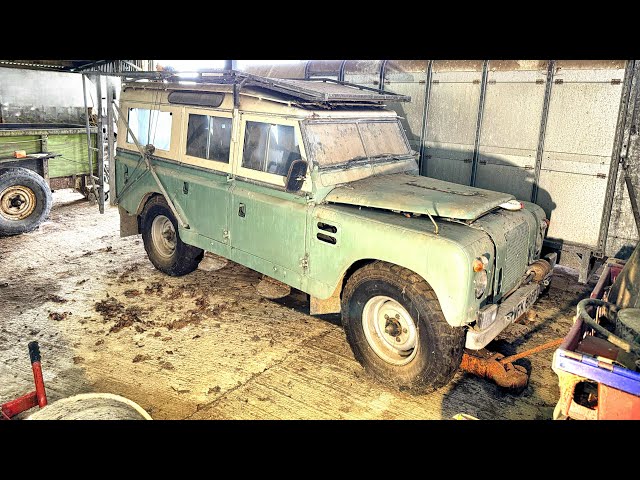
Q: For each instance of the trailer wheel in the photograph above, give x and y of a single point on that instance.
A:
(396, 328)
(25, 200)
(161, 239)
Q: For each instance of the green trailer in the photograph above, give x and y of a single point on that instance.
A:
(56, 158)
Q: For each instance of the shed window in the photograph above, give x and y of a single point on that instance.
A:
(270, 148)
(150, 127)
(209, 137)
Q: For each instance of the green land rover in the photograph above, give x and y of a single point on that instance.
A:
(313, 183)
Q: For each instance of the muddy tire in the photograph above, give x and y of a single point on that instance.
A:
(25, 200)
(397, 331)
(161, 239)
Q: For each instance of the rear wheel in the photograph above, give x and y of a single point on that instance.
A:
(161, 239)
(25, 200)
(396, 328)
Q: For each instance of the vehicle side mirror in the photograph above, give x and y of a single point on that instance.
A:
(297, 174)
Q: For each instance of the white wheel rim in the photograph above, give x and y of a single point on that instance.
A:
(390, 330)
(163, 236)
(17, 202)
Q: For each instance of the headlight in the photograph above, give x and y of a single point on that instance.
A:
(481, 283)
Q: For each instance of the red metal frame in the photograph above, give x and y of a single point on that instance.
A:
(37, 397)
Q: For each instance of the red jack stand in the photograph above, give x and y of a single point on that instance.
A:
(31, 399)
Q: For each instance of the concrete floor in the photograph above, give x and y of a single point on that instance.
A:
(207, 345)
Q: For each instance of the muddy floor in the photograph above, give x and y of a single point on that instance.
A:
(207, 345)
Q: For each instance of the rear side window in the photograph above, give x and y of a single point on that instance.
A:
(270, 148)
(150, 127)
(209, 137)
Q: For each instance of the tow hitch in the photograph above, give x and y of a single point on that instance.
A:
(495, 366)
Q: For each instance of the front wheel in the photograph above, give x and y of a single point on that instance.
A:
(396, 328)
(161, 239)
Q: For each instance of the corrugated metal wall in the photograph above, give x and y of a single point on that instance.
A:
(544, 131)
(409, 77)
(452, 114)
(510, 129)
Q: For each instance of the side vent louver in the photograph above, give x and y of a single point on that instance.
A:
(327, 228)
(325, 237)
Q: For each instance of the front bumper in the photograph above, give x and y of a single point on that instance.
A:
(492, 319)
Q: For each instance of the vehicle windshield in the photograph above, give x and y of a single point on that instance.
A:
(344, 142)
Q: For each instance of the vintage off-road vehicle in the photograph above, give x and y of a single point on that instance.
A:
(313, 183)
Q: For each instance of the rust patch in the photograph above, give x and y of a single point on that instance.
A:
(518, 65)
(590, 64)
(457, 66)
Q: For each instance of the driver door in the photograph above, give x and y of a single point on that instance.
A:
(267, 223)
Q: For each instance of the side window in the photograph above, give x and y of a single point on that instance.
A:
(150, 126)
(270, 148)
(209, 137)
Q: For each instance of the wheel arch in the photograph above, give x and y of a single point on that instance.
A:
(145, 199)
(332, 304)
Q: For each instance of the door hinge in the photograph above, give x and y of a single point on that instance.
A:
(304, 262)
(540, 81)
(558, 81)
(601, 175)
(225, 235)
(616, 81)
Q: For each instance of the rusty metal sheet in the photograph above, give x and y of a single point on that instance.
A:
(590, 64)
(518, 65)
(406, 70)
(457, 66)
(410, 193)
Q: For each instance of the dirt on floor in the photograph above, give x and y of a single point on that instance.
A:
(208, 345)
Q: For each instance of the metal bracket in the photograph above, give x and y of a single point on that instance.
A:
(304, 262)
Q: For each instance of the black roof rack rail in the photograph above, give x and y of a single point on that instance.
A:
(315, 91)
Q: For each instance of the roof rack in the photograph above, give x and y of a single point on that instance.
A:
(324, 92)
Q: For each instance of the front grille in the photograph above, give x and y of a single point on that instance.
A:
(517, 255)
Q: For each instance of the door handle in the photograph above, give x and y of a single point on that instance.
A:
(242, 210)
